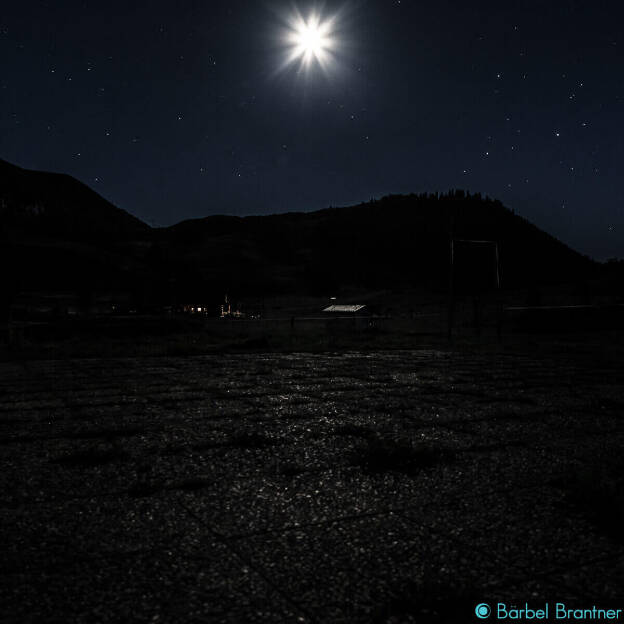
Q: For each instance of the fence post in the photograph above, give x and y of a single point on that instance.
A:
(451, 295)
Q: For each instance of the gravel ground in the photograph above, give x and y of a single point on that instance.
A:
(377, 487)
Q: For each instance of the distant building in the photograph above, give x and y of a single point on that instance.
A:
(191, 308)
(346, 309)
(341, 318)
(230, 311)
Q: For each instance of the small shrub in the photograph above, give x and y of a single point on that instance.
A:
(597, 490)
(191, 484)
(143, 489)
(89, 458)
(400, 455)
(351, 429)
(251, 440)
(428, 602)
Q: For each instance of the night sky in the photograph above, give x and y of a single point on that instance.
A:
(173, 110)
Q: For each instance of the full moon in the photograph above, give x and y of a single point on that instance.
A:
(310, 41)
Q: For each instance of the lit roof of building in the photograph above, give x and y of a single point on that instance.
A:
(344, 308)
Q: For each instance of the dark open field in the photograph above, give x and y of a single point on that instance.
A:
(387, 486)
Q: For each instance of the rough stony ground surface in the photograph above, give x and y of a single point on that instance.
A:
(379, 487)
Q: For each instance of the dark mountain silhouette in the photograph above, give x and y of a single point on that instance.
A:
(59, 234)
(396, 242)
(37, 203)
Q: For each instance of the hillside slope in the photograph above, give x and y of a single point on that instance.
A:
(59, 206)
(57, 234)
(398, 241)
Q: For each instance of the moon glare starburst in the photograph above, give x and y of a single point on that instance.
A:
(310, 41)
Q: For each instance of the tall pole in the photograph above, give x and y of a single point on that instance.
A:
(451, 293)
(499, 303)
